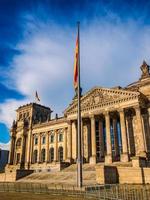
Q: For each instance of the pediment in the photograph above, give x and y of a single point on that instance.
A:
(99, 97)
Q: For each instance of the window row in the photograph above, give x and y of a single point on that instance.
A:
(52, 138)
(51, 155)
(23, 115)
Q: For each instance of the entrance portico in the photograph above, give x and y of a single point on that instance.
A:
(107, 115)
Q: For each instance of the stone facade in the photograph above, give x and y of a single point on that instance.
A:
(115, 128)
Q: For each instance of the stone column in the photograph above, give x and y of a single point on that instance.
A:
(130, 135)
(139, 134)
(146, 128)
(14, 160)
(93, 141)
(74, 140)
(86, 143)
(69, 142)
(39, 148)
(108, 156)
(101, 133)
(23, 150)
(124, 155)
(82, 141)
(47, 148)
(88, 140)
(11, 152)
(56, 147)
(29, 147)
(116, 142)
(149, 115)
(65, 144)
(31, 152)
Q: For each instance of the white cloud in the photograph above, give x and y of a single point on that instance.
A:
(4, 146)
(110, 55)
(7, 111)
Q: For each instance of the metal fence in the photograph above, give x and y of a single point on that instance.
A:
(97, 192)
(121, 192)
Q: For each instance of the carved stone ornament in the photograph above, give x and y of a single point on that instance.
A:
(99, 97)
(145, 70)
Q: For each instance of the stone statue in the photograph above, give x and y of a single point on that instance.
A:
(145, 70)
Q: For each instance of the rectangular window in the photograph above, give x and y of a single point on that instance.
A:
(43, 140)
(18, 158)
(51, 138)
(60, 138)
(36, 141)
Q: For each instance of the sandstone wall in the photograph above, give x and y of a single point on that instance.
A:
(12, 176)
(106, 175)
(122, 175)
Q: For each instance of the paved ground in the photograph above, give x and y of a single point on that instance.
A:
(30, 196)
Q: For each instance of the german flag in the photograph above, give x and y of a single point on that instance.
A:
(76, 62)
(37, 96)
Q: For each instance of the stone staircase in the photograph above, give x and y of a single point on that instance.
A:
(117, 164)
(67, 176)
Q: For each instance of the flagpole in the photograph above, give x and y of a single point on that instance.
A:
(79, 158)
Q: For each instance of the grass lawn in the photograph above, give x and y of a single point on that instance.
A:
(31, 196)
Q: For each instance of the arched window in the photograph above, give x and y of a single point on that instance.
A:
(51, 154)
(43, 155)
(18, 143)
(35, 155)
(60, 154)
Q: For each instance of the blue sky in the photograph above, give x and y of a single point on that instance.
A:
(37, 40)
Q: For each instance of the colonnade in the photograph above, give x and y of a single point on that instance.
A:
(120, 138)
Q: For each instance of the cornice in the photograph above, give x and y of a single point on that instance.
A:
(49, 123)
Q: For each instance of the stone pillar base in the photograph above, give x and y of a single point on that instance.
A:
(69, 160)
(93, 160)
(108, 159)
(138, 161)
(124, 157)
(142, 154)
(27, 165)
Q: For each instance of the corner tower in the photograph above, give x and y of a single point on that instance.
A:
(21, 131)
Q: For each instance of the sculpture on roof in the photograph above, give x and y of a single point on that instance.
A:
(145, 70)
